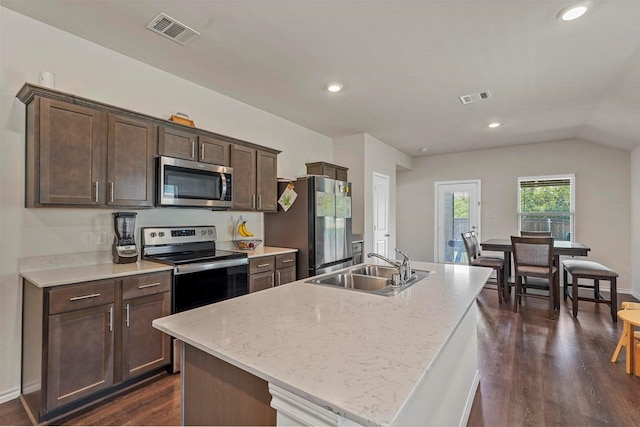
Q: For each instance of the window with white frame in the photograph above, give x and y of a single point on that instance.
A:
(547, 203)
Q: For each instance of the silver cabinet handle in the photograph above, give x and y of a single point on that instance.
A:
(263, 265)
(96, 186)
(202, 151)
(126, 319)
(253, 201)
(111, 190)
(260, 201)
(287, 261)
(84, 297)
(279, 279)
(193, 149)
(150, 285)
(111, 319)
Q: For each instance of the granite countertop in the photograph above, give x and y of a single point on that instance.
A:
(356, 354)
(76, 274)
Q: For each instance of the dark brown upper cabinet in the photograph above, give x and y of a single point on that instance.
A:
(254, 179)
(78, 156)
(85, 153)
(187, 144)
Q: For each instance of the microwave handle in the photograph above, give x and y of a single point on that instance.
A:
(223, 193)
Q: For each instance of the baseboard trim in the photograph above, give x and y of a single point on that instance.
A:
(10, 394)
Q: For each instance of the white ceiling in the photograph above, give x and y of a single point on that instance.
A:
(403, 64)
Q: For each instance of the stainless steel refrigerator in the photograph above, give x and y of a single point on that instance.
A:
(318, 224)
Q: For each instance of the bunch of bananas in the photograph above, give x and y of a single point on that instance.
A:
(242, 229)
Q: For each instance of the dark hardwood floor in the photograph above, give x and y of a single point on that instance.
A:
(533, 371)
(541, 372)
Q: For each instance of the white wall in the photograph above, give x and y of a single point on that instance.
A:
(635, 221)
(603, 194)
(91, 71)
(365, 155)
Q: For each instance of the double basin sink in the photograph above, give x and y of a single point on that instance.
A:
(369, 278)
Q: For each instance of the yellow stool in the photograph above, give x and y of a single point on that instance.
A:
(624, 338)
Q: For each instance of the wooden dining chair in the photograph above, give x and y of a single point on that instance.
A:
(532, 234)
(628, 305)
(535, 233)
(533, 257)
(475, 258)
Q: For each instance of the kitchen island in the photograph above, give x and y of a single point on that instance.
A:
(307, 354)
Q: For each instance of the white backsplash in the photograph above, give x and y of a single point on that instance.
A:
(64, 260)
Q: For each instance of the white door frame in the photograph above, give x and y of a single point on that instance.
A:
(478, 219)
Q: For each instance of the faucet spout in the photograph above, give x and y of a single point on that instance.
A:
(404, 267)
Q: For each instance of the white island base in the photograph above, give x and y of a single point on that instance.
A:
(443, 397)
(304, 354)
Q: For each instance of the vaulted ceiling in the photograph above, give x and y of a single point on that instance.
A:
(403, 64)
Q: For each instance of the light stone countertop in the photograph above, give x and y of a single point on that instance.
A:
(84, 273)
(260, 251)
(356, 354)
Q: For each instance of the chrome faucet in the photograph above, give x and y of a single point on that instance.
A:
(404, 267)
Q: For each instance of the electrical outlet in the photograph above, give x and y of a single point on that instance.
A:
(88, 238)
(101, 238)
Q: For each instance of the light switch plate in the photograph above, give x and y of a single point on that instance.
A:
(101, 238)
(88, 238)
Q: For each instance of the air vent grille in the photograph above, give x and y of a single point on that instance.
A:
(480, 96)
(172, 29)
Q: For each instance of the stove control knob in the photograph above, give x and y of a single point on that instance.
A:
(161, 234)
(153, 234)
(203, 232)
(210, 232)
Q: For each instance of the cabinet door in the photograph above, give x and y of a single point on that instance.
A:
(80, 354)
(213, 151)
(130, 156)
(260, 281)
(267, 181)
(178, 143)
(341, 174)
(243, 162)
(144, 348)
(71, 145)
(285, 275)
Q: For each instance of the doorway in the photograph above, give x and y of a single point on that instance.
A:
(381, 214)
(457, 211)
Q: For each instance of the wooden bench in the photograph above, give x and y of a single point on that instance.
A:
(581, 269)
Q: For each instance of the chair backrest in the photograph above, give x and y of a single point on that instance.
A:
(471, 245)
(532, 251)
(628, 305)
(535, 233)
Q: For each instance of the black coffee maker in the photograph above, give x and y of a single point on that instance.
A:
(124, 245)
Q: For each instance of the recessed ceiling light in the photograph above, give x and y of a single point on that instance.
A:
(424, 149)
(574, 11)
(494, 124)
(334, 87)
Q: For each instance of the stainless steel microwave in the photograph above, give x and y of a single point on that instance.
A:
(193, 184)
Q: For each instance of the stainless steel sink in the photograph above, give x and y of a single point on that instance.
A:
(369, 278)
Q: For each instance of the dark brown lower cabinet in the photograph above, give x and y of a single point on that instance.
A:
(144, 348)
(80, 359)
(83, 342)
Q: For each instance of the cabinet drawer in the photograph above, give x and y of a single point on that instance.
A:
(258, 265)
(75, 297)
(146, 284)
(261, 281)
(286, 260)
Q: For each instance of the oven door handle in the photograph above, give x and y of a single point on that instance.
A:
(203, 266)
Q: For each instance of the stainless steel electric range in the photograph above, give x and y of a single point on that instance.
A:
(202, 274)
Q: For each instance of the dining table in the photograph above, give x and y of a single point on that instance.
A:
(560, 247)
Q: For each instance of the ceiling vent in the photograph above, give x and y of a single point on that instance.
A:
(172, 29)
(480, 96)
